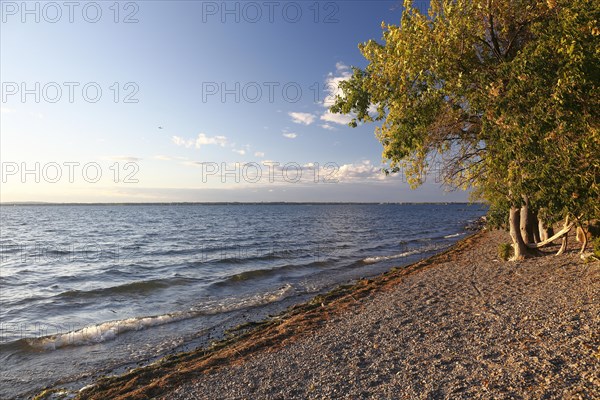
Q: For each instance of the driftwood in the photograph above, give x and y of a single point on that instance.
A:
(566, 229)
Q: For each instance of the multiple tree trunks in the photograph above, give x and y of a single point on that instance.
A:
(530, 233)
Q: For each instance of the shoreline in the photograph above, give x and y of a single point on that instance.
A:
(172, 374)
(175, 290)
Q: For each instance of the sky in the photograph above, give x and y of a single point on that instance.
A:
(192, 101)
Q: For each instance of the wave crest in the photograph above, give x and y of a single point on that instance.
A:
(106, 331)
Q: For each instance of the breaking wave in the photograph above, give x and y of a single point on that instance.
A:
(105, 331)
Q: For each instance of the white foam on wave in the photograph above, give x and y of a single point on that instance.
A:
(373, 260)
(103, 332)
(259, 299)
(419, 250)
(453, 235)
(98, 333)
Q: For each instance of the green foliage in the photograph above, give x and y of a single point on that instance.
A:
(432, 80)
(505, 251)
(505, 93)
(545, 122)
(497, 216)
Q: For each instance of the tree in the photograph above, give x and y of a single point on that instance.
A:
(545, 124)
(503, 93)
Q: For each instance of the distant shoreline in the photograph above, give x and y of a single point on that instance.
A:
(25, 203)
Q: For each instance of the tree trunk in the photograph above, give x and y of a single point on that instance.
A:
(565, 241)
(520, 250)
(584, 243)
(543, 230)
(535, 227)
(526, 222)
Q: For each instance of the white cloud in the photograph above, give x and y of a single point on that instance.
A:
(6, 110)
(290, 135)
(240, 151)
(259, 154)
(179, 141)
(126, 158)
(362, 171)
(340, 66)
(332, 84)
(162, 158)
(280, 174)
(372, 109)
(201, 140)
(191, 163)
(332, 89)
(328, 127)
(340, 119)
(302, 118)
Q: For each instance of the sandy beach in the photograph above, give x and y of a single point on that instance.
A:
(462, 324)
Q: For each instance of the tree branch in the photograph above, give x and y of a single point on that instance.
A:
(512, 40)
(493, 36)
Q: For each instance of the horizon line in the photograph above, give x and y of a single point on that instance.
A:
(42, 203)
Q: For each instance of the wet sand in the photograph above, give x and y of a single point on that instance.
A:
(461, 324)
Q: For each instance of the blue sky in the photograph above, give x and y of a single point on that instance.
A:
(189, 90)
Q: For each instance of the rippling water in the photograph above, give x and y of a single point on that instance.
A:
(89, 289)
